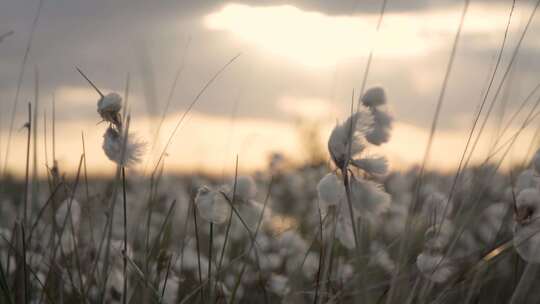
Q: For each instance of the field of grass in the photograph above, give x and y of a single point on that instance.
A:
(341, 228)
(343, 231)
(263, 241)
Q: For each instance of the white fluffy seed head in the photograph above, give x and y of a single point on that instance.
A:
(246, 188)
(344, 230)
(375, 165)
(113, 143)
(330, 190)
(212, 205)
(368, 198)
(349, 135)
(279, 284)
(381, 257)
(435, 267)
(529, 197)
(109, 107)
(374, 97)
(381, 128)
(436, 206)
(527, 225)
(65, 211)
(438, 236)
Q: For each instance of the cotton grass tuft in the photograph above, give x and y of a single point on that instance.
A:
(212, 205)
(113, 146)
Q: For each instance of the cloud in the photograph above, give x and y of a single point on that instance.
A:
(308, 108)
(316, 39)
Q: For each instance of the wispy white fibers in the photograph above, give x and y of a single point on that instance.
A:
(349, 135)
(382, 126)
(271, 262)
(350, 193)
(374, 165)
(113, 144)
(436, 206)
(279, 284)
(527, 225)
(251, 211)
(109, 107)
(398, 185)
(432, 262)
(368, 198)
(116, 147)
(437, 237)
(368, 125)
(330, 190)
(435, 267)
(68, 212)
(344, 229)
(190, 261)
(381, 257)
(246, 188)
(292, 247)
(212, 205)
(375, 99)
(526, 197)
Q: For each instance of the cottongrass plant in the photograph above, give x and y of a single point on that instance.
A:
(251, 257)
(364, 200)
(121, 148)
(235, 205)
(526, 228)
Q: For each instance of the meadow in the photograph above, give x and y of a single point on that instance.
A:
(340, 227)
(283, 235)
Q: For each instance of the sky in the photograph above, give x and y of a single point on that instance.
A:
(299, 63)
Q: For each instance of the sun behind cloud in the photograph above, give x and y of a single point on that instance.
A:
(315, 39)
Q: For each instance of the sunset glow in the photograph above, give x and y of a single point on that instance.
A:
(318, 40)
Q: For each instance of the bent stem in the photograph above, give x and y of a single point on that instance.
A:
(124, 293)
(198, 251)
(346, 182)
(327, 257)
(210, 245)
(26, 176)
(229, 223)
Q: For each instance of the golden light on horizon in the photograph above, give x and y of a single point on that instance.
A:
(210, 143)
